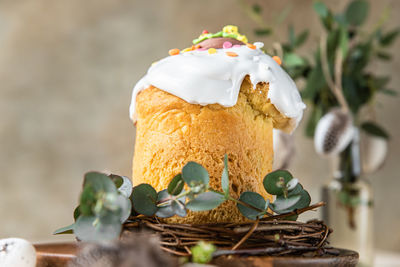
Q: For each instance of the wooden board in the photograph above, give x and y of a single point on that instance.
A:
(58, 255)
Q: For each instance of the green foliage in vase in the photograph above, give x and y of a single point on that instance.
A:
(106, 202)
(359, 48)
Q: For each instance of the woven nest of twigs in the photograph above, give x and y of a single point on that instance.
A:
(271, 236)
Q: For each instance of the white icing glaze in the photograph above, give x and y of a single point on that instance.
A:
(202, 78)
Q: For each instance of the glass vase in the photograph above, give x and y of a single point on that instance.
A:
(349, 209)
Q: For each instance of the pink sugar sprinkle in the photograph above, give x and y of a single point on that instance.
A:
(227, 45)
(237, 45)
(201, 49)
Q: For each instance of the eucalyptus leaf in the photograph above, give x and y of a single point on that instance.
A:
(357, 12)
(374, 129)
(304, 201)
(124, 207)
(99, 182)
(123, 184)
(117, 180)
(291, 185)
(282, 204)
(179, 208)
(94, 229)
(175, 187)
(275, 182)
(296, 190)
(164, 211)
(194, 174)
(225, 178)
(87, 200)
(255, 200)
(65, 230)
(205, 201)
(144, 198)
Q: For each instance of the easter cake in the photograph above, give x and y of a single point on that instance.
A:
(222, 95)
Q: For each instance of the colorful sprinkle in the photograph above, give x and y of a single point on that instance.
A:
(231, 54)
(237, 45)
(201, 49)
(212, 50)
(227, 45)
(204, 32)
(188, 49)
(251, 46)
(173, 52)
(277, 59)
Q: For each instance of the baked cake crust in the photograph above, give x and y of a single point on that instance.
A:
(170, 132)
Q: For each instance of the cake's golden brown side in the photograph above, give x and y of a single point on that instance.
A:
(170, 132)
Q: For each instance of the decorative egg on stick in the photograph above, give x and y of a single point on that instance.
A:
(334, 132)
(374, 151)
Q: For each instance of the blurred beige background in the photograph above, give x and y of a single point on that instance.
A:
(66, 73)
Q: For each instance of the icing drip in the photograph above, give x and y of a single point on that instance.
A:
(202, 78)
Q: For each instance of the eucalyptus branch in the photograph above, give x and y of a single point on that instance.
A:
(108, 201)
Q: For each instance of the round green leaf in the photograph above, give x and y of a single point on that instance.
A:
(205, 201)
(99, 182)
(275, 182)
(255, 200)
(144, 198)
(123, 184)
(94, 229)
(357, 12)
(296, 190)
(175, 187)
(117, 180)
(164, 211)
(87, 200)
(282, 204)
(125, 206)
(304, 201)
(194, 174)
(179, 208)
